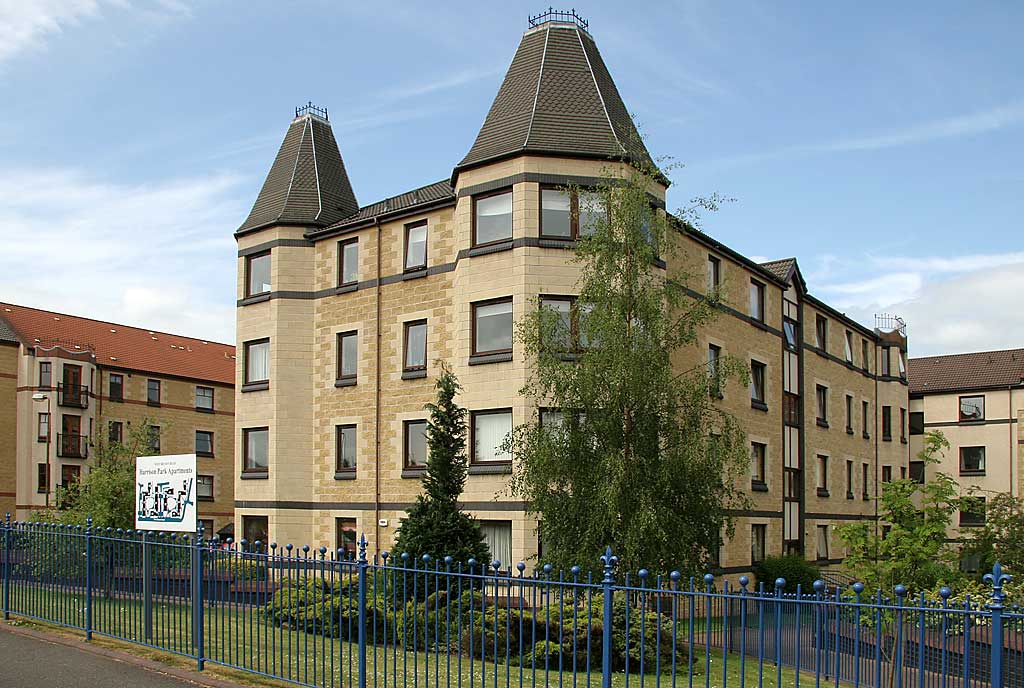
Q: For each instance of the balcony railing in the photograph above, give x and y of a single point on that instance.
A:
(71, 446)
(72, 395)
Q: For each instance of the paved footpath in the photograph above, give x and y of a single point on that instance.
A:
(32, 660)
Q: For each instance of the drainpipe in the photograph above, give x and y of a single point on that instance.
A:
(877, 431)
(1009, 416)
(376, 404)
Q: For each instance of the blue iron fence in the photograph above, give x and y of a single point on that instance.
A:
(316, 618)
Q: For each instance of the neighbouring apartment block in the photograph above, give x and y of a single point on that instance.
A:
(67, 381)
(977, 401)
(344, 311)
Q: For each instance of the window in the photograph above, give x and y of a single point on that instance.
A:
(115, 432)
(589, 212)
(204, 443)
(204, 488)
(257, 270)
(348, 356)
(415, 444)
(207, 526)
(865, 355)
(714, 384)
(556, 214)
(821, 395)
(204, 399)
(498, 536)
(849, 414)
(254, 529)
(849, 479)
(758, 533)
(864, 481)
(257, 361)
(70, 475)
(714, 273)
(758, 461)
(415, 346)
(789, 329)
(416, 245)
(153, 392)
(791, 409)
(42, 478)
(903, 425)
(757, 385)
(848, 347)
(345, 538)
(885, 360)
(822, 543)
(43, 427)
(972, 460)
(822, 475)
(901, 360)
(348, 262)
(973, 513)
(492, 327)
(887, 423)
(116, 390)
(563, 338)
(45, 374)
(917, 422)
(756, 300)
(972, 408)
(886, 474)
(153, 438)
(917, 472)
(864, 420)
(492, 218)
(256, 450)
(345, 449)
(821, 332)
(489, 429)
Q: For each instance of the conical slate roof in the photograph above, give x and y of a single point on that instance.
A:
(558, 98)
(307, 184)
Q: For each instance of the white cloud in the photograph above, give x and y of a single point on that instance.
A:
(27, 24)
(951, 305)
(159, 255)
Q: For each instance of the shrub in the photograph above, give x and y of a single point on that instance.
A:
(794, 568)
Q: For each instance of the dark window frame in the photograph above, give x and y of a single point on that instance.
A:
(983, 462)
(849, 414)
(40, 435)
(342, 245)
(246, 355)
(821, 332)
(42, 478)
(915, 423)
(821, 405)
(971, 518)
(118, 436)
(864, 413)
(887, 423)
(865, 352)
(714, 368)
(213, 399)
(960, 408)
(248, 469)
(849, 479)
(714, 271)
(150, 401)
(761, 300)
(574, 212)
(490, 194)
(119, 396)
(822, 466)
(848, 346)
(213, 481)
(426, 243)
(903, 425)
(347, 547)
(406, 368)
(153, 438)
(46, 366)
(205, 453)
(339, 432)
(405, 444)
(886, 361)
(473, 415)
(248, 273)
(865, 478)
(758, 384)
(473, 325)
(340, 359)
(759, 460)
(758, 534)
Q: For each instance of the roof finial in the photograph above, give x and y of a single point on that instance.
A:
(310, 109)
(553, 15)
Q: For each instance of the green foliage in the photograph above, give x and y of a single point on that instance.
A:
(794, 568)
(646, 460)
(434, 524)
(915, 552)
(1002, 537)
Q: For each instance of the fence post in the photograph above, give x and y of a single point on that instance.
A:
(197, 597)
(609, 560)
(88, 578)
(996, 579)
(361, 568)
(7, 566)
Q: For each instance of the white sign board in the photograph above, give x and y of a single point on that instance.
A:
(165, 493)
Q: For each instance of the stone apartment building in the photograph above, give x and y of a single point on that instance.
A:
(66, 381)
(977, 401)
(343, 311)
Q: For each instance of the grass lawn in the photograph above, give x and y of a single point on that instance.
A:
(239, 636)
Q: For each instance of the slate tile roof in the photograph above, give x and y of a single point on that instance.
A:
(780, 268)
(307, 184)
(423, 196)
(6, 333)
(558, 97)
(121, 346)
(955, 372)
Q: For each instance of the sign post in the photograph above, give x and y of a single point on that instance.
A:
(165, 500)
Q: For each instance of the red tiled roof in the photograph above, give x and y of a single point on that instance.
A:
(121, 346)
(979, 370)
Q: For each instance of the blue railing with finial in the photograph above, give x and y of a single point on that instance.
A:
(310, 109)
(315, 617)
(563, 16)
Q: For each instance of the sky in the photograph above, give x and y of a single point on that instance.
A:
(880, 143)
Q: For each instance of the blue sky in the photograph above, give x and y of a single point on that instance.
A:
(880, 143)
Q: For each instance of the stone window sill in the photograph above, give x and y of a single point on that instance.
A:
(413, 374)
(416, 473)
(484, 359)
(758, 486)
(255, 475)
(489, 468)
(759, 405)
(347, 382)
(823, 492)
(256, 386)
(345, 475)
